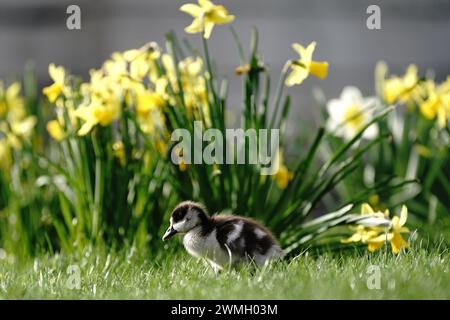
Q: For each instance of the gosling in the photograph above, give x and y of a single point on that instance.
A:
(222, 239)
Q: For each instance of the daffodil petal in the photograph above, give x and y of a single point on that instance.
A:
(299, 49)
(297, 76)
(403, 216)
(192, 9)
(56, 73)
(354, 238)
(366, 209)
(13, 90)
(208, 29)
(55, 130)
(195, 27)
(381, 238)
(86, 128)
(404, 230)
(395, 223)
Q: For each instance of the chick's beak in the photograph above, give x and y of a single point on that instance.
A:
(169, 233)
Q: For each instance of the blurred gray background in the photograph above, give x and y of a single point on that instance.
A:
(413, 31)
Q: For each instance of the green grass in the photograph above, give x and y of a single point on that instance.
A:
(420, 273)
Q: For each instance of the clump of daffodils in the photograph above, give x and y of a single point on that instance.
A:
(141, 82)
(433, 99)
(153, 89)
(16, 125)
(376, 228)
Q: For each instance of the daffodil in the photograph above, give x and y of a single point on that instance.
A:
(192, 78)
(437, 103)
(55, 130)
(394, 236)
(350, 113)
(361, 234)
(189, 69)
(58, 76)
(369, 226)
(142, 61)
(153, 123)
(11, 102)
(148, 101)
(149, 111)
(375, 229)
(206, 14)
(97, 112)
(398, 227)
(16, 124)
(116, 66)
(398, 89)
(301, 68)
(282, 176)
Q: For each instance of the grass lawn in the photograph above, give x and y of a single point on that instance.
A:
(420, 273)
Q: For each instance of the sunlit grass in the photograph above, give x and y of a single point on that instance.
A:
(420, 273)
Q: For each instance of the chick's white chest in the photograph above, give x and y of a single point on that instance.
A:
(204, 246)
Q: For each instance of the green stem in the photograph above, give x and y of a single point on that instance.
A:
(279, 93)
(99, 186)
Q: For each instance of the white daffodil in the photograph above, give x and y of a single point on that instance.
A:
(350, 113)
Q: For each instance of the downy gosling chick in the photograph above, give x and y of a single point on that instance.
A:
(222, 239)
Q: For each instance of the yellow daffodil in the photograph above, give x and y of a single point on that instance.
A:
(398, 228)
(193, 82)
(16, 125)
(97, 112)
(304, 66)
(149, 51)
(361, 234)
(398, 89)
(148, 101)
(283, 176)
(153, 123)
(149, 110)
(55, 130)
(189, 69)
(394, 235)
(437, 103)
(11, 101)
(206, 14)
(116, 66)
(142, 61)
(58, 75)
(375, 229)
